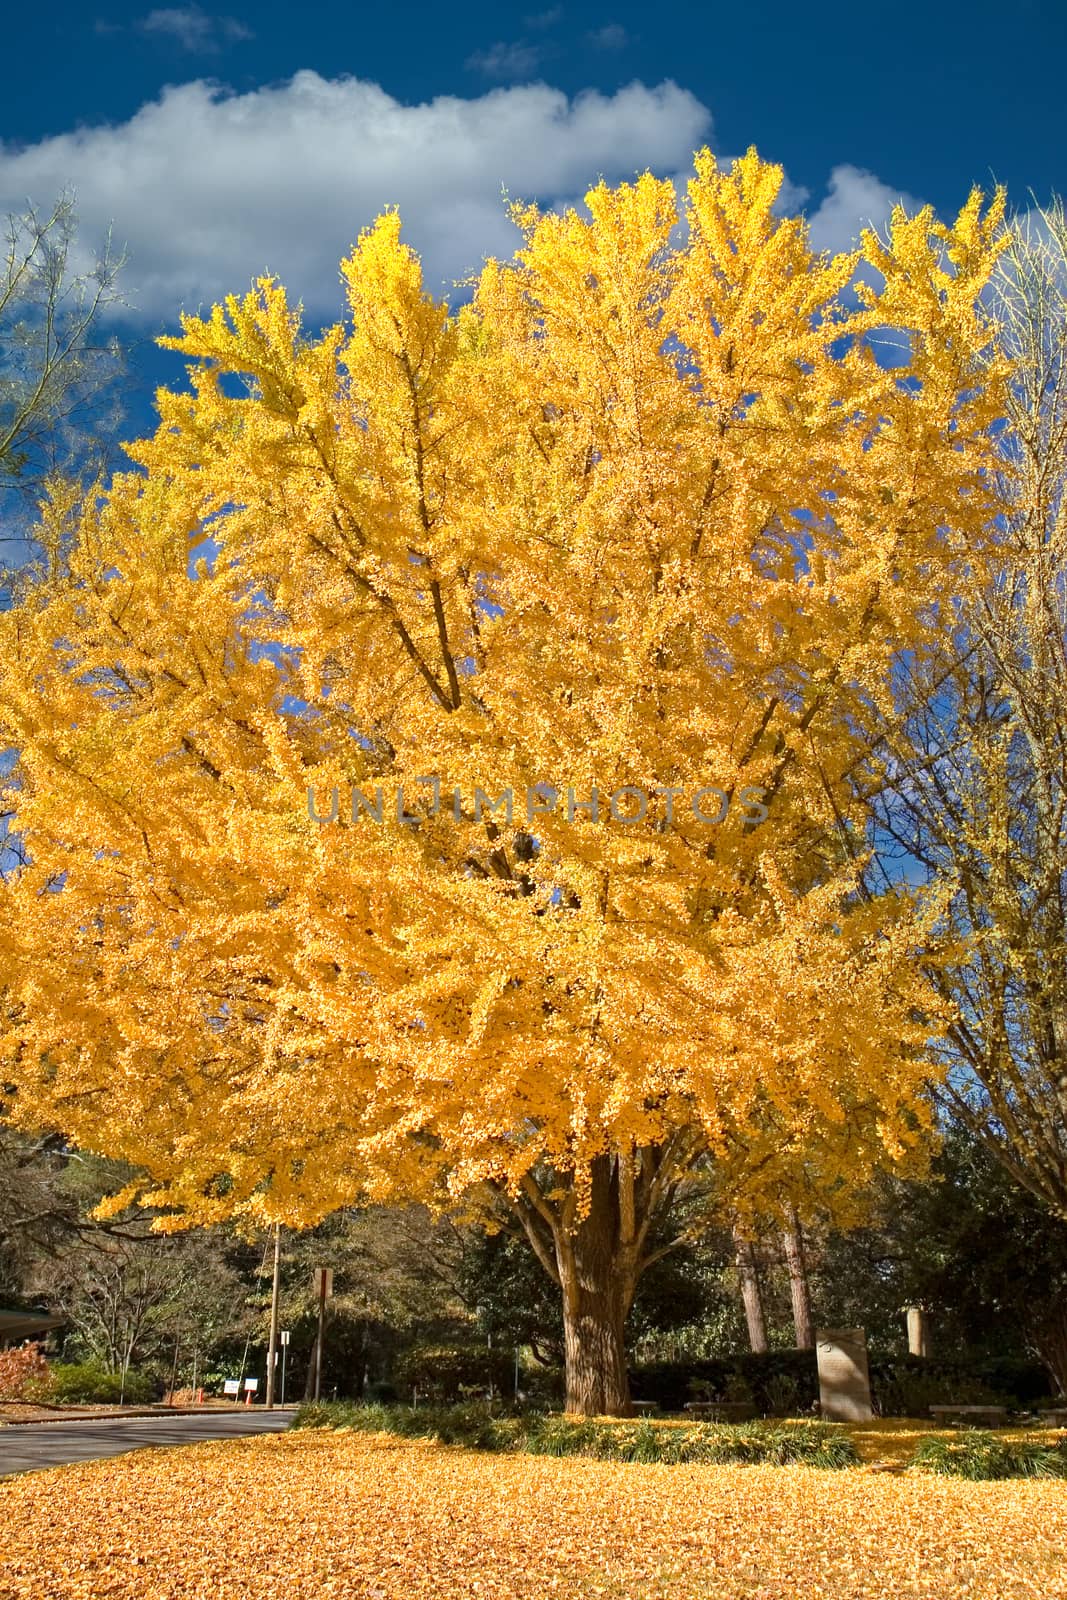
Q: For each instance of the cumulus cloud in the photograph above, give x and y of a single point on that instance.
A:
(207, 189)
(856, 199)
(192, 28)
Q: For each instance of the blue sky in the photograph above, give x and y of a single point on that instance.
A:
(222, 143)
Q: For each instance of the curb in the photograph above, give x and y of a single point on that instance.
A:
(121, 1416)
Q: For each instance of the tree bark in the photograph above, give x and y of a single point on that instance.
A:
(751, 1294)
(596, 1300)
(597, 1259)
(1048, 1337)
(309, 1384)
(800, 1293)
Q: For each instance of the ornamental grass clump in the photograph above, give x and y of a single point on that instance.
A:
(977, 1454)
(476, 1427)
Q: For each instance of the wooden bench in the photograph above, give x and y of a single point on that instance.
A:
(1056, 1418)
(644, 1408)
(972, 1416)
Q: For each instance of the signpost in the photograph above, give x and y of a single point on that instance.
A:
(251, 1385)
(322, 1287)
(284, 1340)
(232, 1386)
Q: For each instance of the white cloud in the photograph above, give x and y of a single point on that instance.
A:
(544, 19)
(207, 189)
(193, 28)
(856, 199)
(612, 36)
(517, 60)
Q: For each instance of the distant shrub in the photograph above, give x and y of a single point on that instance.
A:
(441, 1373)
(542, 1386)
(816, 1444)
(774, 1380)
(381, 1393)
(180, 1397)
(978, 1454)
(81, 1381)
(24, 1373)
(786, 1382)
(906, 1386)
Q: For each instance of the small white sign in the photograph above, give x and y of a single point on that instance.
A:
(232, 1386)
(318, 1277)
(284, 1336)
(252, 1383)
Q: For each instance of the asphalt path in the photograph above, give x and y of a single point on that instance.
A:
(29, 1446)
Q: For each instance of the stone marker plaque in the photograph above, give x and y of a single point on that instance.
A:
(844, 1382)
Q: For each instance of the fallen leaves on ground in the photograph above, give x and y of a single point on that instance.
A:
(306, 1516)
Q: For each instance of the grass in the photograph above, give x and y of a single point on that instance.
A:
(895, 1444)
(976, 1454)
(815, 1444)
(898, 1442)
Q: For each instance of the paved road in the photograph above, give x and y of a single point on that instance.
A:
(28, 1446)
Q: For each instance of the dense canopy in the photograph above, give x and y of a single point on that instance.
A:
(649, 516)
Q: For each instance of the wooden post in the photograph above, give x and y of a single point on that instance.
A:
(272, 1345)
(918, 1332)
(318, 1345)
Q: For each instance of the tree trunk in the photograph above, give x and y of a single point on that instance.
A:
(793, 1240)
(1049, 1339)
(596, 1260)
(597, 1282)
(309, 1385)
(751, 1295)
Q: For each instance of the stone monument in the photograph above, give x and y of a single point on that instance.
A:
(844, 1381)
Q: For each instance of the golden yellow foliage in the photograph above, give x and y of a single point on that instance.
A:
(646, 515)
(300, 1518)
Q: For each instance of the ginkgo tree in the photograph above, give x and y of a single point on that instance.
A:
(634, 537)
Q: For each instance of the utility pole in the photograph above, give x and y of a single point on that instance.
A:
(323, 1285)
(272, 1348)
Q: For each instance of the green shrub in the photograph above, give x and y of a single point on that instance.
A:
(441, 1372)
(978, 1454)
(81, 1381)
(782, 1392)
(816, 1444)
(774, 1380)
(906, 1386)
(786, 1381)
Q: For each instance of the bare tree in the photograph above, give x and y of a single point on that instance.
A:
(55, 360)
(975, 791)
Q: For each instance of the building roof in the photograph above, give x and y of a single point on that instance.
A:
(18, 1325)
